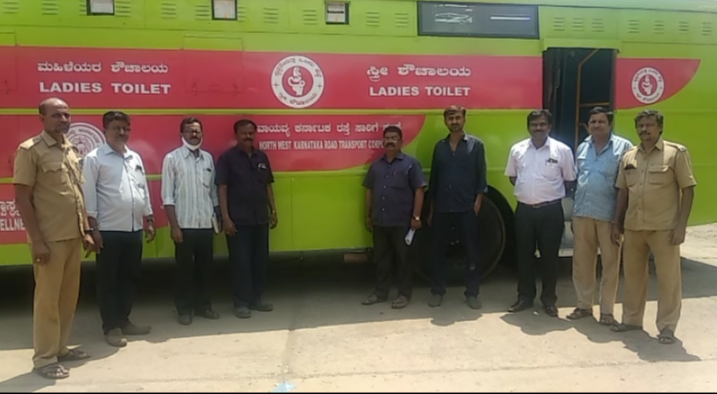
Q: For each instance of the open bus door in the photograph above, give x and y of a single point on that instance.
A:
(574, 81)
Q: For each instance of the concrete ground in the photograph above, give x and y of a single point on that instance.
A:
(320, 338)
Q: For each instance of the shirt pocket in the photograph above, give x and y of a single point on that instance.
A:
(659, 175)
(399, 180)
(631, 177)
(262, 174)
(610, 170)
(137, 178)
(54, 172)
(207, 178)
(550, 170)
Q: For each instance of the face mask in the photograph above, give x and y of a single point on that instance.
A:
(190, 146)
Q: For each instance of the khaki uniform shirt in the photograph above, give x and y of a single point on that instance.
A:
(53, 172)
(654, 180)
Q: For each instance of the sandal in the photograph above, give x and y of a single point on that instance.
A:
(52, 371)
(607, 319)
(372, 299)
(579, 313)
(666, 337)
(400, 302)
(620, 327)
(74, 355)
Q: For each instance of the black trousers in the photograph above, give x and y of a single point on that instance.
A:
(542, 228)
(118, 274)
(467, 226)
(391, 252)
(249, 260)
(195, 266)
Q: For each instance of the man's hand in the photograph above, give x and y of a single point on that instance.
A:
(368, 223)
(476, 206)
(150, 233)
(677, 236)
(40, 253)
(97, 237)
(616, 233)
(228, 225)
(88, 244)
(273, 220)
(176, 234)
(415, 223)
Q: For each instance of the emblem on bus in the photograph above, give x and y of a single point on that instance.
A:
(648, 85)
(85, 137)
(297, 81)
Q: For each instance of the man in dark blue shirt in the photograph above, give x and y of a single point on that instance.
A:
(246, 201)
(394, 199)
(456, 187)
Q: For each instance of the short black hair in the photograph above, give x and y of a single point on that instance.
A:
(393, 129)
(602, 110)
(243, 122)
(454, 109)
(110, 116)
(187, 121)
(651, 113)
(540, 113)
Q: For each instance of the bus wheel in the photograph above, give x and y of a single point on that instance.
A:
(492, 238)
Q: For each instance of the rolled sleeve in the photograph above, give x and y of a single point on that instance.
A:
(433, 176)
(168, 178)
(89, 188)
(621, 182)
(511, 169)
(24, 169)
(683, 170)
(568, 166)
(416, 176)
(369, 179)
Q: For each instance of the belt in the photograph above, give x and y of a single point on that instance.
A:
(543, 204)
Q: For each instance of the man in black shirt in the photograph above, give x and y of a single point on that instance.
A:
(456, 186)
(246, 200)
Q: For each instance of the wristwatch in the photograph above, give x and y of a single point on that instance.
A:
(417, 218)
(89, 231)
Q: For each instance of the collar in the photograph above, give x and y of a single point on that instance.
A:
(659, 145)
(399, 156)
(51, 141)
(188, 153)
(546, 145)
(448, 137)
(610, 140)
(107, 150)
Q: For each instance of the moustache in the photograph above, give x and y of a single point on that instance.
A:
(390, 144)
(248, 139)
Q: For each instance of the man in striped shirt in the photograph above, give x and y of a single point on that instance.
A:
(598, 160)
(190, 199)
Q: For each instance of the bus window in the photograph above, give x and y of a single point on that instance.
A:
(477, 20)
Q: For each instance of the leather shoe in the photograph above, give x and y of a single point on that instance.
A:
(551, 310)
(208, 314)
(185, 320)
(520, 305)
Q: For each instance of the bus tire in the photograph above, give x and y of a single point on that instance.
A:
(494, 229)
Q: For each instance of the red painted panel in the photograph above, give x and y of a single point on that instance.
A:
(643, 82)
(12, 230)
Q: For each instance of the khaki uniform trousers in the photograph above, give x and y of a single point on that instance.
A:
(589, 235)
(638, 245)
(57, 287)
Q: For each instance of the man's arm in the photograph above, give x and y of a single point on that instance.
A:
(24, 181)
(221, 179)
(270, 188)
(622, 195)
(418, 183)
(434, 178)
(511, 169)
(168, 191)
(90, 172)
(686, 182)
(482, 171)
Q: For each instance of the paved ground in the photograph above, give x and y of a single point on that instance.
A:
(320, 338)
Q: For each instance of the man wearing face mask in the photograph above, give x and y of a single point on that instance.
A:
(394, 198)
(118, 204)
(541, 169)
(190, 201)
(653, 206)
(246, 201)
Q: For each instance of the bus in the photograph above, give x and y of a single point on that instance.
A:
(323, 78)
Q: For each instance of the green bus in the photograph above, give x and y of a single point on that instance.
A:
(323, 78)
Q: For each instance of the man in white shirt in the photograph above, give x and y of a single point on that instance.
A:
(117, 199)
(190, 199)
(541, 169)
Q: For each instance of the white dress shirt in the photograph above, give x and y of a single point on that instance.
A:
(188, 184)
(541, 173)
(115, 188)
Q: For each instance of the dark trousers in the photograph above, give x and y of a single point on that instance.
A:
(118, 273)
(542, 228)
(195, 265)
(391, 253)
(249, 259)
(467, 226)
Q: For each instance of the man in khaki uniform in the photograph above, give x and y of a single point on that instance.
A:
(655, 199)
(48, 193)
